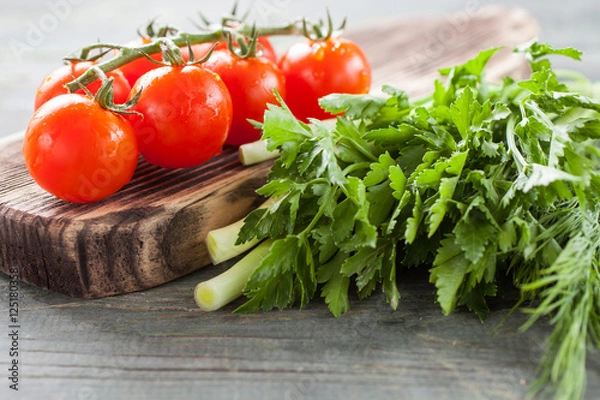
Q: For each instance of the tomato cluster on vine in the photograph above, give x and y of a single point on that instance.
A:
(177, 109)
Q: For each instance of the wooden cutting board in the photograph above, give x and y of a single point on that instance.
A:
(153, 230)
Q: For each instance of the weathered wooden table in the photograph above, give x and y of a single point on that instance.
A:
(157, 344)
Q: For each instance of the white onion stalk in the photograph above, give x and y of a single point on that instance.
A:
(221, 290)
(255, 152)
(221, 242)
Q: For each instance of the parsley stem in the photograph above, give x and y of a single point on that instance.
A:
(513, 150)
(532, 106)
(357, 167)
(361, 149)
(332, 194)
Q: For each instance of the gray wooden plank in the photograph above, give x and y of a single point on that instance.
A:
(158, 344)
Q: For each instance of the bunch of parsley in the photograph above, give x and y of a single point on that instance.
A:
(477, 181)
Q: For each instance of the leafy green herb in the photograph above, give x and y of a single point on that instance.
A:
(477, 181)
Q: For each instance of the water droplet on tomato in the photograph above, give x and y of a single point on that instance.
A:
(45, 142)
(320, 54)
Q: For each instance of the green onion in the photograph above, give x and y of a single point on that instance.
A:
(221, 290)
(256, 152)
(221, 242)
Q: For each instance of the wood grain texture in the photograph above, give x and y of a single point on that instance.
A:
(408, 53)
(153, 230)
(157, 344)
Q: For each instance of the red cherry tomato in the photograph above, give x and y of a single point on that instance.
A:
(314, 69)
(251, 83)
(138, 67)
(78, 151)
(185, 116)
(200, 49)
(268, 51)
(53, 84)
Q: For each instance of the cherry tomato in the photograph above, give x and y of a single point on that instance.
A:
(53, 84)
(186, 114)
(251, 83)
(138, 67)
(200, 49)
(314, 69)
(78, 151)
(268, 51)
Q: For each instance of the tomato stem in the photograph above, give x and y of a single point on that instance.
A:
(105, 96)
(171, 53)
(322, 31)
(247, 47)
(128, 54)
(152, 32)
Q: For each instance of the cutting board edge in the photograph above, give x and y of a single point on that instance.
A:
(38, 244)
